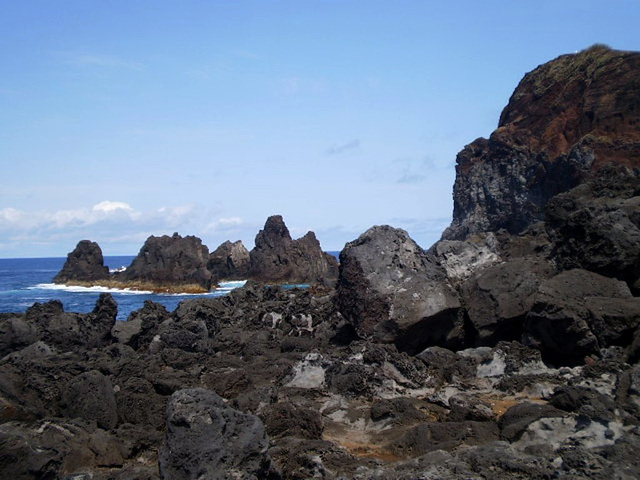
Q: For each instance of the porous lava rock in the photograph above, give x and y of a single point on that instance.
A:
(577, 312)
(596, 225)
(391, 291)
(169, 263)
(498, 298)
(84, 264)
(206, 438)
(230, 261)
(565, 120)
(277, 258)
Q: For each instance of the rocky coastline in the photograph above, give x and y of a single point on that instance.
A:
(510, 349)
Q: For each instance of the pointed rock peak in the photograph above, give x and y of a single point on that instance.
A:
(275, 226)
(275, 232)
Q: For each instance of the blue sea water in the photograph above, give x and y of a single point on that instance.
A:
(24, 281)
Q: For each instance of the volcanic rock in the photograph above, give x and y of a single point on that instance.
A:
(84, 264)
(596, 225)
(391, 291)
(170, 263)
(498, 298)
(277, 258)
(205, 438)
(90, 396)
(565, 120)
(577, 312)
(230, 261)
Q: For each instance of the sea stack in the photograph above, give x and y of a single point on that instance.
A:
(84, 265)
(278, 258)
(169, 263)
(230, 261)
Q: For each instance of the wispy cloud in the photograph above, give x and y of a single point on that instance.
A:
(337, 149)
(105, 61)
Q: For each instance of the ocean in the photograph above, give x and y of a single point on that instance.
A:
(24, 281)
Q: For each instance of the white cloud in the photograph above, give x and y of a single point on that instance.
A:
(109, 207)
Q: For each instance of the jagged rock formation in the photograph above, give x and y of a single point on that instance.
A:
(230, 261)
(536, 274)
(84, 264)
(171, 263)
(565, 120)
(391, 291)
(278, 258)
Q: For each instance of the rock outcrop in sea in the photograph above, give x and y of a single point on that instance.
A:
(277, 258)
(84, 264)
(509, 349)
(230, 261)
(179, 264)
(169, 263)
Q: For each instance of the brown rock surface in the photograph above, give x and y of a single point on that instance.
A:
(565, 120)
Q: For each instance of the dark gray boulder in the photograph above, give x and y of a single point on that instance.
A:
(230, 261)
(569, 319)
(170, 263)
(498, 297)
(391, 291)
(205, 438)
(90, 396)
(16, 333)
(277, 258)
(84, 264)
(596, 226)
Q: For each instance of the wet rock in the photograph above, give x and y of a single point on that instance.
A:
(277, 258)
(230, 261)
(206, 438)
(84, 264)
(392, 292)
(90, 396)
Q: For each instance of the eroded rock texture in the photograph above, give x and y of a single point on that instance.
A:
(565, 120)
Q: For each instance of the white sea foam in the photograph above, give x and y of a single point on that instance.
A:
(228, 286)
(224, 288)
(79, 289)
(117, 270)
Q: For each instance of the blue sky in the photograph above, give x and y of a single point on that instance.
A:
(123, 119)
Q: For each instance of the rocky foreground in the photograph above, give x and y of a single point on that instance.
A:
(510, 349)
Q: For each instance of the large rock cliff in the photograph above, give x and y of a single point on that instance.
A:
(566, 120)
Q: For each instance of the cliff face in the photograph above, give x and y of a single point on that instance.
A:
(566, 120)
